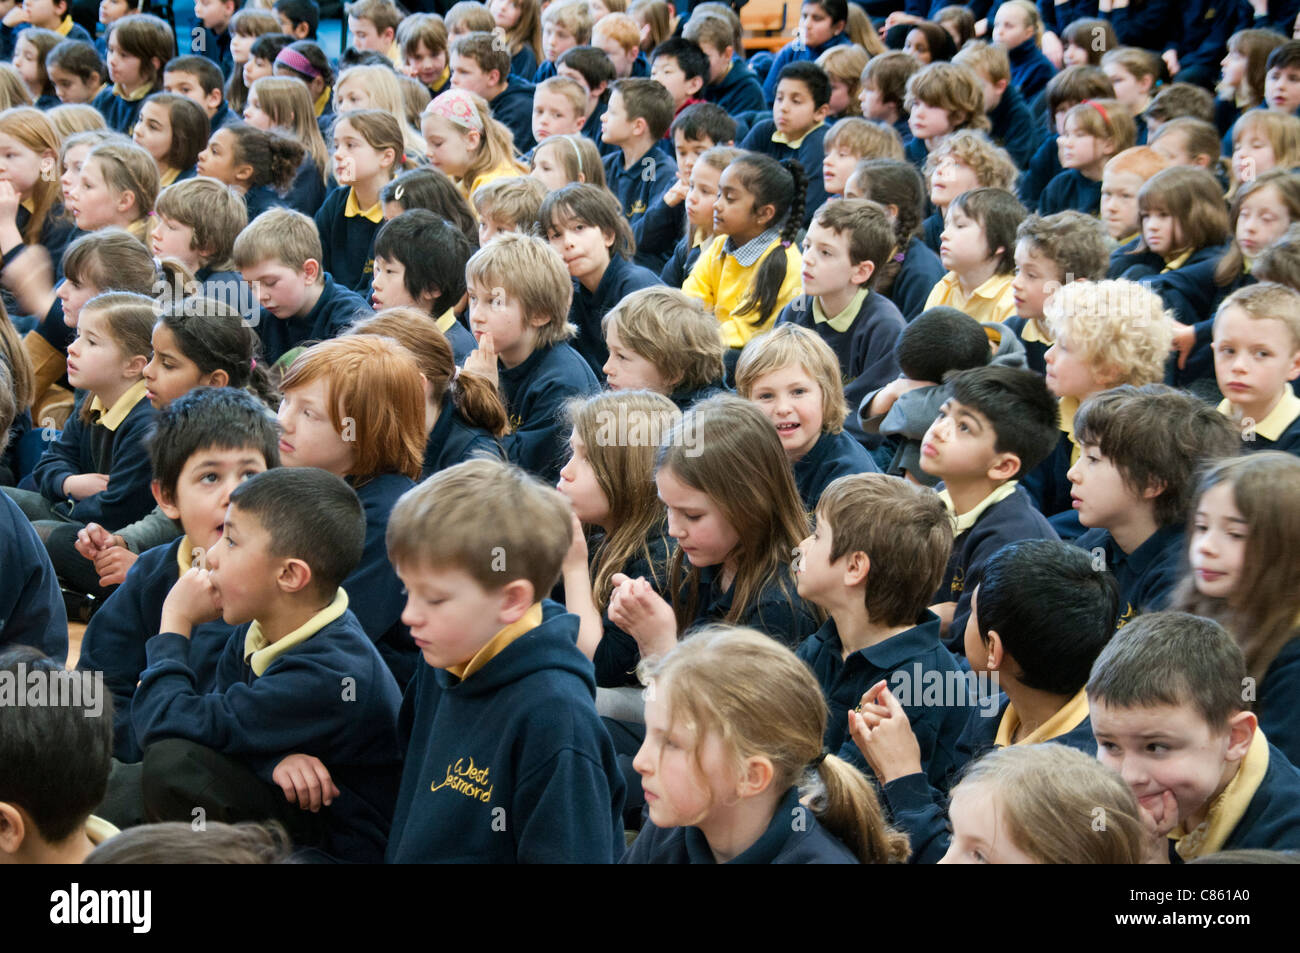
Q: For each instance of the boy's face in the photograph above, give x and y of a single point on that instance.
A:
(1119, 203)
(1168, 748)
(202, 494)
(837, 165)
(584, 248)
(112, 10)
(719, 60)
(816, 576)
(666, 71)
(1037, 279)
(627, 370)
(42, 12)
(962, 244)
(1068, 374)
(492, 311)
(171, 239)
(188, 85)
(815, 25)
(1098, 491)
(426, 65)
(1216, 550)
(449, 614)
(795, 112)
(1253, 358)
(69, 87)
(213, 14)
(620, 57)
(307, 434)
(489, 228)
(827, 266)
(615, 126)
(950, 178)
(366, 36)
(467, 74)
(556, 41)
(688, 151)
(554, 115)
(281, 290)
(792, 400)
(873, 106)
(388, 286)
(1282, 88)
(241, 568)
(979, 832)
(927, 122)
(959, 445)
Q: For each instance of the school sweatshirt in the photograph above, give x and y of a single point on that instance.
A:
(375, 594)
(535, 393)
(589, 308)
(833, 455)
(454, 440)
(331, 315)
(31, 605)
(738, 91)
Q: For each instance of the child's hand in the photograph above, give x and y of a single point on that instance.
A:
(1161, 818)
(84, 485)
(898, 17)
(576, 557)
(643, 614)
(1184, 341)
(113, 564)
(30, 276)
(9, 201)
(1171, 60)
(93, 539)
(483, 359)
(16, 16)
(305, 782)
(676, 193)
(883, 734)
(192, 601)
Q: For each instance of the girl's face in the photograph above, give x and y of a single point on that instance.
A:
(702, 195)
(979, 834)
(1261, 221)
(918, 46)
(74, 297)
(451, 149)
(95, 359)
(219, 160)
(240, 46)
(579, 485)
(1011, 27)
(94, 203)
(792, 400)
(70, 87)
(1119, 204)
(962, 244)
(169, 373)
(351, 95)
(153, 132)
(596, 9)
(123, 68)
(584, 248)
(1037, 279)
(735, 209)
(27, 62)
(1075, 55)
(1079, 149)
(928, 122)
(683, 774)
(1129, 90)
(1217, 549)
(950, 178)
(22, 167)
(110, 11)
(1252, 155)
(73, 160)
(1234, 69)
(696, 521)
(1161, 232)
(627, 370)
(355, 159)
(505, 12)
(816, 26)
(547, 170)
(255, 69)
(254, 115)
(1068, 374)
(307, 435)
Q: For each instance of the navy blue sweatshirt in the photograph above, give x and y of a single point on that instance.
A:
(1070, 190)
(833, 455)
(796, 52)
(1147, 575)
(454, 440)
(643, 184)
(776, 611)
(924, 676)
(523, 63)
(295, 706)
(793, 837)
(810, 153)
(115, 639)
(535, 393)
(216, 47)
(118, 113)
(679, 266)
(306, 192)
(621, 278)
(657, 233)
(374, 592)
(513, 108)
(617, 654)
(1276, 705)
(512, 764)
(1014, 128)
(916, 277)
(333, 313)
(1144, 23)
(31, 605)
(347, 241)
(1030, 69)
(737, 92)
(1043, 168)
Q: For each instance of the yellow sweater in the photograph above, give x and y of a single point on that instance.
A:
(722, 282)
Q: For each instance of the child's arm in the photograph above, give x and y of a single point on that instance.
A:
(125, 497)
(643, 614)
(884, 399)
(577, 592)
(61, 460)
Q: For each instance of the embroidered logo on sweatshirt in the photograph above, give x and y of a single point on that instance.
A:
(464, 777)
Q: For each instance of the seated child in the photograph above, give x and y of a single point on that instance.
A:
(872, 563)
(640, 171)
(1018, 28)
(466, 143)
(1121, 182)
(256, 164)
(481, 66)
(850, 141)
(206, 443)
(117, 187)
(196, 224)
(199, 79)
(1179, 99)
(1094, 131)
(585, 225)
(138, 46)
(1188, 141)
(1135, 73)
(1256, 356)
(1067, 89)
(731, 83)
(55, 759)
(999, 423)
(279, 254)
(941, 99)
(77, 72)
(276, 688)
(420, 263)
(214, 19)
(1264, 139)
(430, 189)
(1280, 262)
(797, 128)
(883, 90)
(1179, 677)
(372, 26)
(964, 161)
(591, 69)
(541, 754)
(846, 243)
(821, 27)
(562, 160)
(843, 67)
(1260, 214)
(619, 37)
(663, 340)
(559, 105)
(522, 23)
(1013, 126)
(277, 104)
(565, 24)
(1133, 484)
(422, 38)
(680, 66)
(173, 130)
(701, 195)
(519, 297)
(508, 205)
(700, 729)
(977, 247)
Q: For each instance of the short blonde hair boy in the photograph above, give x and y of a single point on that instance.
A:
(864, 139)
(952, 88)
(993, 166)
(282, 235)
(787, 345)
(528, 269)
(1267, 301)
(212, 209)
(384, 14)
(674, 332)
(571, 15)
(1119, 328)
(511, 204)
(570, 89)
(990, 61)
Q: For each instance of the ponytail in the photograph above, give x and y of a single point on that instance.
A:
(479, 402)
(215, 337)
(849, 809)
(273, 158)
(781, 185)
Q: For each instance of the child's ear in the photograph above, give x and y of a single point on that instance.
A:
(1154, 491)
(862, 272)
(304, 28)
(135, 367)
(694, 85)
(294, 575)
(13, 828)
(1001, 86)
(1241, 732)
(756, 776)
(994, 650)
(764, 214)
(244, 171)
(1004, 467)
(218, 378)
(311, 271)
(517, 597)
(857, 568)
(164, 500)
(822, 112)
(213, 100)
(474, 138)
(390, 157)
(126, 200)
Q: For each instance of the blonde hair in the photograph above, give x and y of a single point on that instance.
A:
(863, 32)
(385, 92)
(1118, 328)
(496, 146)
(578, 156)
(987, 59)
(1267, 301)
(657, 16)
(953, 88)
(212, 209)
(674, 332)
(993, 167)
(573, 16)
(21, 385)
(288, 103)
(128, 168)
(864, 139)
(846, 63)
(1283, 133)
(1049, 796)
(569, 88)
(529, 270)
(514, 201)
(1032, 17)
(68, 119)
(278, 234)
(759, 700)
(788, 345)
(1106, 119)
(32, 129)
(13, 91)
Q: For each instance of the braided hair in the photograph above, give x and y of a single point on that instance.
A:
(782, 185)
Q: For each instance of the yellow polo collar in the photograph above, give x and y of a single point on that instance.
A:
(968, 519)
(353, 209)
(1069, 717)
(844, 320)
(1278, 419)
(111, 417)
(781, 137)
(260, 654)
(529, 621)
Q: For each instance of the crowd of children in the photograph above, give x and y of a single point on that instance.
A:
(856, 453)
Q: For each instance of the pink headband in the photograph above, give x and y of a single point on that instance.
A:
(456, 105)
(296, 62)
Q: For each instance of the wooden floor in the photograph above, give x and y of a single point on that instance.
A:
(75, 631)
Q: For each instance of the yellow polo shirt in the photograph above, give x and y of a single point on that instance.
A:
(991, 301)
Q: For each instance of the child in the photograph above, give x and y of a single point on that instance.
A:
(736, 537)
(197, 221)
(376, 86)
(662, 340)
(466, 143)
(245, 27)
(1263, 139)
(620, 40)
(1178, 99)
(640, 171)
(302, 60)
(585, 225)
(1180, 677)
(978, 249)
(872, 562)
(565, 25)
(31, 48)
(748, 273)
(254, 163)
(843, 67)
(704, 736)
(1282, 69)
(1133, 484)
(463, 413)
(680, 67)
(731, 84)
(214, 17)
(283, 106)
(797, 129)
(1240, 538)
(57, 759)
(430, 189)
(1018, 28)
(468, 16)
(1121, 182)
(519, 297)
(509, 205)
(1134, 74)
(422, 38)
(1050, 252)
(479, 65)
(792, 375)
(138, 46)
(559, 105)
(561, 789)
(522, 23)
(117, 187)
(174, 130)
(706, 176)
(1094, 131)
(1067, 89)
(821, 27)
(372, 25)
(1261, 212)
(1013, 126)
(77, 72)
(368, 147)
(420, 263)
(282, 696)
(206, 443)
(611, 488)
(279, 254)
(964, 160)
(1188, 141)
(851, 141)
(563, 160)
(656, 19)
(846, 243)
(999, 424)
(1256, 355)
(592, 69)
(942, 98)
(911, 270)
(56, 17)
(883, 91)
